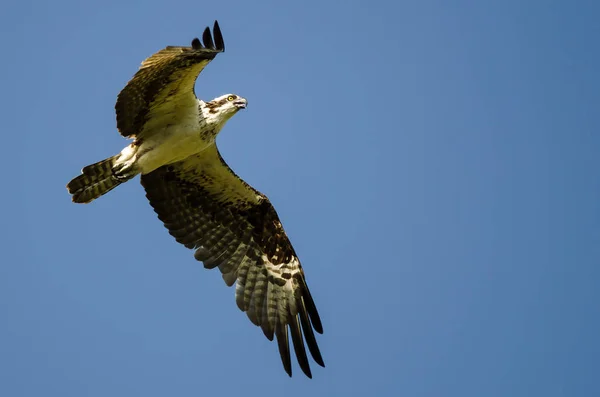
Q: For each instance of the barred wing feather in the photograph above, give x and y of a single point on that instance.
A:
(232, 226)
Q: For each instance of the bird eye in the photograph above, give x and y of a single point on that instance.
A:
(230, 98)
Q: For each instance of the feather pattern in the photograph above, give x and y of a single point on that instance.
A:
(162, 90)
(232, 226)
(200, 200)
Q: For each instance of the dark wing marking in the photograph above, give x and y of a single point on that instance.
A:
(234, 227)
(162, 90)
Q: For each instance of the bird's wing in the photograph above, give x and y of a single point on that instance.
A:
(162, 90)
(232, 226)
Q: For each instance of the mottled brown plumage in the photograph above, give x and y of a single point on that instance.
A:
(200, 200)
(165, 80)
(232, 226)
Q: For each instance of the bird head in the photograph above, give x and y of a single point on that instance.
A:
(225, 106)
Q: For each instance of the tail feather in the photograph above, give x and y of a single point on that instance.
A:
(96, 179)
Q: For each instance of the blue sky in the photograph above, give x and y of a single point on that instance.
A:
(435, 165)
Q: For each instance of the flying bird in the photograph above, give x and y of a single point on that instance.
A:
(200, 200)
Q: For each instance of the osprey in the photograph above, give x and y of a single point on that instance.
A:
(200, 200)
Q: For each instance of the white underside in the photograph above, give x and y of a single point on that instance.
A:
(174, 134)
(171, 144)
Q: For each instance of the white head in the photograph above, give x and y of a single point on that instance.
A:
(221, 109)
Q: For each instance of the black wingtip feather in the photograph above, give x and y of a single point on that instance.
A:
(309, 335)
(217, 45)
(284, 348)
(315, 319)
(220, 44)
(207, 39)
(196, 44)
(299, 346)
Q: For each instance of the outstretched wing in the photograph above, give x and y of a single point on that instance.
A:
(234, 227)
(162, 91)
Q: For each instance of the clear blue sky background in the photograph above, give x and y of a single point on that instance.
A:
(434, 163)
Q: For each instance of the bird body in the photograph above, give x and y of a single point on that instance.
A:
(201, 201)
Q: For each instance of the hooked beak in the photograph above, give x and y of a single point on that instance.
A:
(241, 103)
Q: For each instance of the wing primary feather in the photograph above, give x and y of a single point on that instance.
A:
(314, 316)
(207, 38)
(299, 345)
(196, 44)
(237, 243)
(309, 335)
(310, 307)
(220, 44)
(284, 347)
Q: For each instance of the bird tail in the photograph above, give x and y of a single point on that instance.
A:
(96, 180)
